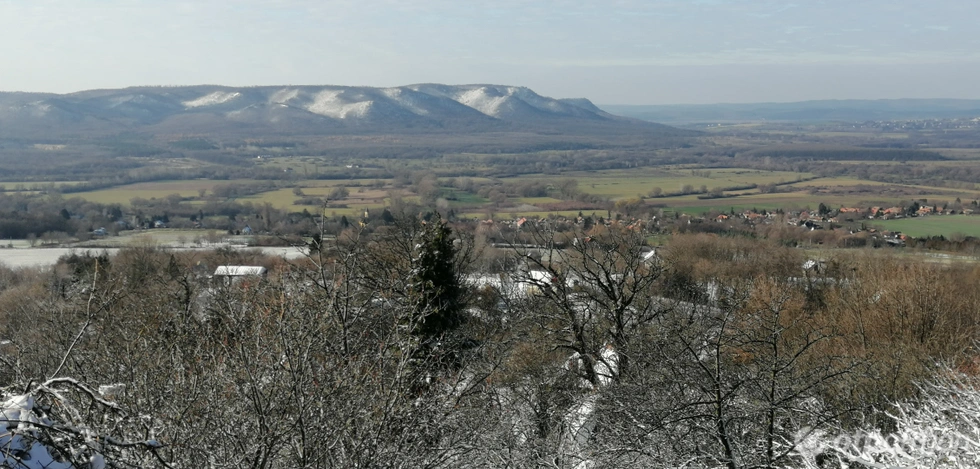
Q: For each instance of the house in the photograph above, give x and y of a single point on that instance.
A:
(649, 257)
(229, 274)
(520, 285)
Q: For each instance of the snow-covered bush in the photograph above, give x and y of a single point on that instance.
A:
(939, 430)
(48, 428)
(24, 443)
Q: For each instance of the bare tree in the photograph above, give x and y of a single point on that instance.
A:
(593, 290)
(731, 386)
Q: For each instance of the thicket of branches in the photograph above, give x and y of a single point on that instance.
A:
(376, 351)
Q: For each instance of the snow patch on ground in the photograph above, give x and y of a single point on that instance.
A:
(331, 104)
(218, 97)
(399, 96)
(120, 100)
(283, 96)
(483, 99)
(431, 90)
(39, 109)
(536, 100)
(491, 100)
(608, 367)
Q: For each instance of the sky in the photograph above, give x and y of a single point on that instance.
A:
(611, 51)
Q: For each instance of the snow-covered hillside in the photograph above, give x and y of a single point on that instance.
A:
(351, 103)
(308, 110)
(211, 99)
(428, 101)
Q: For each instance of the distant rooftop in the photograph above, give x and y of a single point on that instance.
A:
(239, 270)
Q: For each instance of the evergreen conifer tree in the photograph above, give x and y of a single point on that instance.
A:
(435, 286)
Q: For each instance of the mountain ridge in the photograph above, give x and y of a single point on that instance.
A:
(304, 109)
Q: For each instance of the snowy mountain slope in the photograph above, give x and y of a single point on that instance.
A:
(301, 109)
(218, 97)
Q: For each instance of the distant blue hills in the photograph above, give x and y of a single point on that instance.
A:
(804, 111)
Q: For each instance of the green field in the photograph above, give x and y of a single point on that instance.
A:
(149, 190)
(11, 185)
(620, 183)
(837, 182)
(834, 192)
(157, 238)
(358, 199)
(791, 201)
(946, 225)
(368, 193)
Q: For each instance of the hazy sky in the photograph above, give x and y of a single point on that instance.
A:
(612, 52)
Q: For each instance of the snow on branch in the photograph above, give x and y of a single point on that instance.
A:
(941, 429)
(44, 429)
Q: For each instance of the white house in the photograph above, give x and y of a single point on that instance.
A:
(231, 273)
